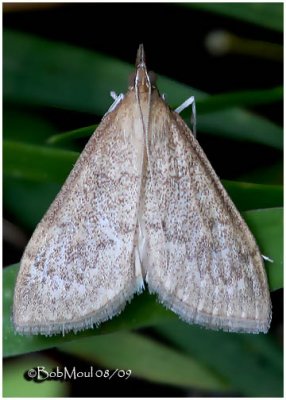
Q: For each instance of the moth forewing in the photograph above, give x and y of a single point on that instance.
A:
(78, 269)
(213, 271)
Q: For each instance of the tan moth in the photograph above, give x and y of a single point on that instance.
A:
(142, 204)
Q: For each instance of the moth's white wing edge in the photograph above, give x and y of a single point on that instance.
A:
(114, 309)
(212, 322)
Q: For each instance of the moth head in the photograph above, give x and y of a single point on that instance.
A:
(141, 79)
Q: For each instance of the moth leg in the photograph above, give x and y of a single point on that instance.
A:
(117, 99)
(190, 102)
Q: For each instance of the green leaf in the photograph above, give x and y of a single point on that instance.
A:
(272, 174)
(71, 135)
(267, 15)
(15, 385)
(60, 75)
(37, 163)
(146, 359)
(144, 310)
(244, 127)
(77, 79)
(267, 227)
(252, 365)
(249, 196)
(244, 98)
(36, 197)
(25, 126)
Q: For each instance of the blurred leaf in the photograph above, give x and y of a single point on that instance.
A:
(37, 163)
(15, 385)
(71, 135)
(143, 311)
(267, 227)
(60, 75)
(251, 364)
(238, 99)
(76, 79)
(244, 127)
(271, 173)
(267, 15)
(36, 197)
(146, 359)
(247, 196)
(25, 126)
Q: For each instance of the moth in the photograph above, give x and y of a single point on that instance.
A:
(141, 205)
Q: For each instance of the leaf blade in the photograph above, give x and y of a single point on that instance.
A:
(258, 367)
(146, 359)
(266, 15)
